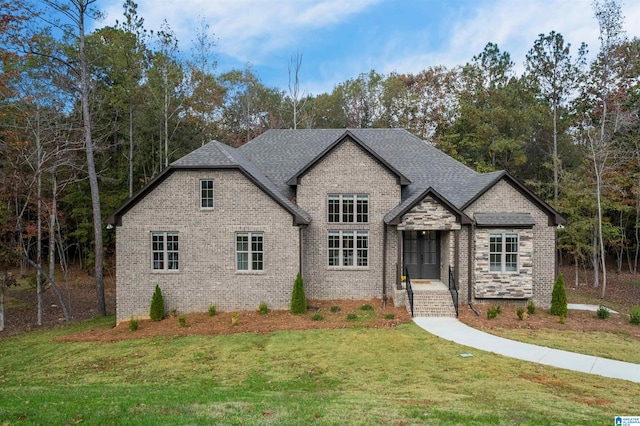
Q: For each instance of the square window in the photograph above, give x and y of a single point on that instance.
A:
(503, 252)
(347, 208)
(348, 248)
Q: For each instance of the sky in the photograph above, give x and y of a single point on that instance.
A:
(340, 39)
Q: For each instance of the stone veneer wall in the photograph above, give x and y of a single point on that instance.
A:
(509, 285)
(347, 170)
(503, 197)
(428, 215)
(207, 271)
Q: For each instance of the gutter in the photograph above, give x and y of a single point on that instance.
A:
(384, 267)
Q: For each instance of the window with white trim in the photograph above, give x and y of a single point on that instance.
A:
(164, 251)
(352, 208)
(206, 194)
(503, 252)
(249, 251)
(348, 248)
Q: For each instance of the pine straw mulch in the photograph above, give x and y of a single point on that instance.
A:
(254, 322)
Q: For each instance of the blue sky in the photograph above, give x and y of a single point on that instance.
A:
(339, 39)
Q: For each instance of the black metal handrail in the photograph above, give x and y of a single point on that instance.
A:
(407, 281)
(453, 289)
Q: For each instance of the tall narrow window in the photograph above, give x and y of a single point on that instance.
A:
(348, 248)
(503, 252)
(164, 251)
(249, 251)
(347, 208)
(206, 194)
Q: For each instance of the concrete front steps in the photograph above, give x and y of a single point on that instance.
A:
(432, 300)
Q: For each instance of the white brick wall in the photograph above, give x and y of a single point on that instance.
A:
(207, 273)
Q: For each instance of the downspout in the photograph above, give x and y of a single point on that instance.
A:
(384, 267)
(300, 235)
(470, 266)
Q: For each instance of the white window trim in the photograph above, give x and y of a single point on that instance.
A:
(341, 207)
(250, 253)
(355, 249)
(213, 194)
(165, 252)
(503, 253)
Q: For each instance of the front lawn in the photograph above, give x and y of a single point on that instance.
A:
(398, 376)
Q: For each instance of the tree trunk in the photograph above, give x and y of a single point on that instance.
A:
(130, 148)
(596, 261)
(91, 167)
(39, 221)
(52, 245)
(575, 260)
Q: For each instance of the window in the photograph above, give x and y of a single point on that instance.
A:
(503, 252)
(249, 251)
(348, 208)
(348, 248)
(164, 251)
(206, 194)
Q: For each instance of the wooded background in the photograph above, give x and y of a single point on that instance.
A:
(87, 119)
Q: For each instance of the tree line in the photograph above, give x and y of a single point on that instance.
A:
(87, 119)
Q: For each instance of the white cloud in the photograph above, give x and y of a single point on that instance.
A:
(246, 30)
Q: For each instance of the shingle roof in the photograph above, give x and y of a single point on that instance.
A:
(506, 219)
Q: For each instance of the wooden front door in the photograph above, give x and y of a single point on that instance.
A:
(421, 251)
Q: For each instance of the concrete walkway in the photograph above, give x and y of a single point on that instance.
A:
(453, 330)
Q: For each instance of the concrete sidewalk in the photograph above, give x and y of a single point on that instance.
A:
(453, 330)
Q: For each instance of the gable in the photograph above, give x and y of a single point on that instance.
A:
(348, 136)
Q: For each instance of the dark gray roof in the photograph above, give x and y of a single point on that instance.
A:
(504, 219)
(213, 154)
(281, 154)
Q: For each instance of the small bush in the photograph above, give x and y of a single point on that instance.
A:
(234, 319)
(603, 312)
(634, 315)
(156, 312)
(182, 320)
(366, 307)
(389, 316)
(351, 316)
(317, 317)
(173, 312)
(531, 307)
(263, 309)
(493, 312)
(133, 324)
(562, 319)
(212, 310)
(335, 309)
(559, 298)
(298, 298)
(520, 313)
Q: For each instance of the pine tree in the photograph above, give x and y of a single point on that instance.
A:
(298, 298)
(559, 298)
(156, 313)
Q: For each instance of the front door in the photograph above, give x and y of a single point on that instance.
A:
(421, 251)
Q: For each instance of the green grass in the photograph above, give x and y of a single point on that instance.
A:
(329, 377)
(619, 346)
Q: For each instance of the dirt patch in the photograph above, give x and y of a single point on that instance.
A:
(254, 322)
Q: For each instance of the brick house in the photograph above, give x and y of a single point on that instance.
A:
(355, 211)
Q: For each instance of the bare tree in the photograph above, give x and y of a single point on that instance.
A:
(297, 99)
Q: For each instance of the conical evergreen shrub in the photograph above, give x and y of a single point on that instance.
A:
(298, 298)
(559, 298)
(156, 312)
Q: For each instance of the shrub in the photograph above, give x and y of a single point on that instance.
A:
(559, 298)
(603, 312)
(317, 317)
(234, 319)
(562, 319)
(531, 307)
(156, 312)
(212, 310)
(182, 320)
(133, 324)
(263, 309)
(389, 316)
(366, 307)
(493, 312)
(173, 312)
(520, 313)
(634, 315)
(298, 298)
(335, 309)
(351, 316)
